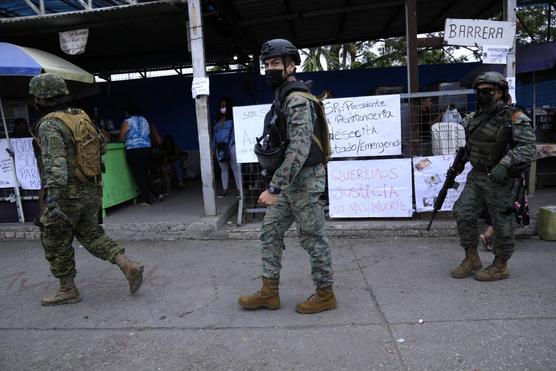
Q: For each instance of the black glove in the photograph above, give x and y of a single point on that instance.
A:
(55, 214)
(499, 174)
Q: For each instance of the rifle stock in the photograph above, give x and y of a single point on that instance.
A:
(448, 183)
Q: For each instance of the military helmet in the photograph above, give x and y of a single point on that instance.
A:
(279, 48)
(47, 85)
(491, 77)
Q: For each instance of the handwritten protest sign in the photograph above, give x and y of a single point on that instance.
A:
(429, 176)
(25, 164)
(370, 188)
(364, 126)
(248, 125)
(359, 127)
(6, 176)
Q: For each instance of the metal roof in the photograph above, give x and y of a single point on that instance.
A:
(152, 34)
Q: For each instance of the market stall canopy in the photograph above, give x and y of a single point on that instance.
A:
(153, 34)
(20, 61)
(18, 64)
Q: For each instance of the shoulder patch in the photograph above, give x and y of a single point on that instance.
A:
(519, 116)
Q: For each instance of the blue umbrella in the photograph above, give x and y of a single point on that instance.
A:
(17, 65)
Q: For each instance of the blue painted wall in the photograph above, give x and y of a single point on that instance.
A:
(167, 102)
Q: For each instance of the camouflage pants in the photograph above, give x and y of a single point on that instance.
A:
(81, 204)
(299, 203)
(480, 193)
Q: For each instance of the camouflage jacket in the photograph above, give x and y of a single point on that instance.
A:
(521, 137)
(300, 119)
(56, 153)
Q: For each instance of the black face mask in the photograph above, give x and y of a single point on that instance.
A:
(274, 78)
(486, 99)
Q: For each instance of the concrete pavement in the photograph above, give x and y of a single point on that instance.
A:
(186, 317)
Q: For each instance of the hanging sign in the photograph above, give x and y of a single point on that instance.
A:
(74, 42)
(478, 32)
(27, 171)
(495, 54)
(200, 86)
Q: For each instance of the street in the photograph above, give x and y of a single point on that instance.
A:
(186, 316)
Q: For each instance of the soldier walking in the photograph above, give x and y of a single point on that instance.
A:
(500, 143)
(70, 173)
(291, 151)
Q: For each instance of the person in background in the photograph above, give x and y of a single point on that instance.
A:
(135, 132)
(21, 128)
(172, 157)
(223, 144)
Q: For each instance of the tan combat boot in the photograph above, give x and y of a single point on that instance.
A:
(268, 297)
(470, 264)
(66, 294)
(133, 271)
(498, 270)
(323, 299)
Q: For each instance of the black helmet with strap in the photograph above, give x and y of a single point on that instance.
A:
(280, 48)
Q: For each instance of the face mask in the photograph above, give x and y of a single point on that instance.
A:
(274, 78)
(486, 99)
(223, 110)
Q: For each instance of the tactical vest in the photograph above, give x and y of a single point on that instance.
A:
(280, 134)
(489, 137)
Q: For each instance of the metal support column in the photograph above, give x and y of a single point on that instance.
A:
(201, 106)
(509, 16)
(411, 41)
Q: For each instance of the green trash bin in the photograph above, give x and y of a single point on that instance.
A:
(118, 184)
(546, 223)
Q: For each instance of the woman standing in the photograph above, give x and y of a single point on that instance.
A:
(223, 145)
(136, 133)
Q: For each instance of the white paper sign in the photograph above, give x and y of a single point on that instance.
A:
(364, 126)
(25, 164)
(511, 88)
(6, 175)
(370, 188)
(200, 86)
(429, 175)
(495, 54)
(473, 32)
(74, 42)
(248, 125)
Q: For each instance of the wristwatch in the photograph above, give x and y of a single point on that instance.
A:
(273, 190)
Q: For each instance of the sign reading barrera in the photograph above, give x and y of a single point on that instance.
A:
(478, 32)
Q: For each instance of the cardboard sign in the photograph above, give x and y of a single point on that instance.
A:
(478, 32)
(6, 175)
(370, 188)
(429, 175)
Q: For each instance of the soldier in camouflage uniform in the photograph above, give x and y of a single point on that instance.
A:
(72, 205)
(500, 141)
(294, 191)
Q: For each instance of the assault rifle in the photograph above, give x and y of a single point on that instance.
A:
(450, 182)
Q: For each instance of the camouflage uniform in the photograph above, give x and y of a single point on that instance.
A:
(301, 187)
(78, 201)
(509, 131)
